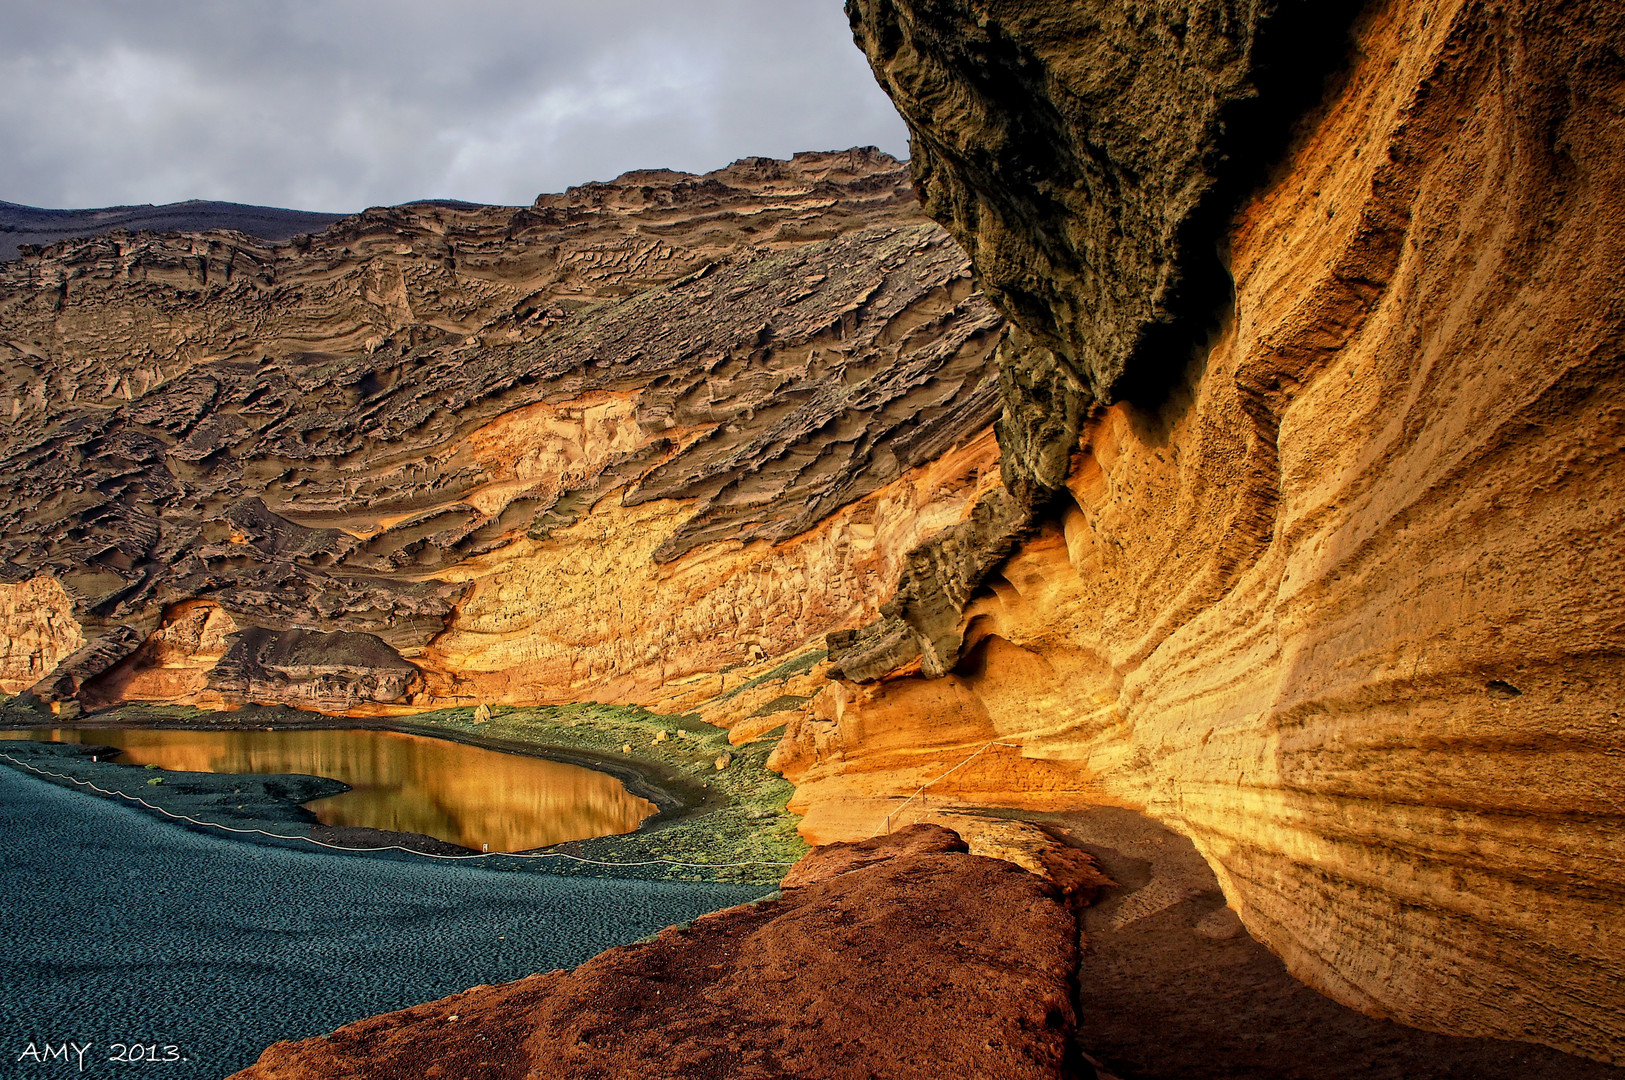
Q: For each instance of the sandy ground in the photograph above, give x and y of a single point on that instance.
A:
(1171, 987)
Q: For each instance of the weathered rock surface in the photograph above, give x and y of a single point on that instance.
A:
(640, 430)
(1171, 986)
(905, 958)
(327, 672)
(1342, 604)
(37, 628)
(1085, 154)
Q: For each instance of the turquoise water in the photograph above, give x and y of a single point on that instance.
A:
(119, 928)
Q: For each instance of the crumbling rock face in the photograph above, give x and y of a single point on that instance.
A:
(921, 620)
(328, 672)
(37, 628)
(1344, 604)
(350, 432)
(174, 663)
(1084, 154)
(76, 669)
(904, 958)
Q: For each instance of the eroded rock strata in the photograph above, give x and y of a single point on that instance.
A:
(635, 432)
(1342, 603)
(1284, 507)
(906, 957)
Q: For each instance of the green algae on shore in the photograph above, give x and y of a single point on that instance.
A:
(743, 818)
(729, 824)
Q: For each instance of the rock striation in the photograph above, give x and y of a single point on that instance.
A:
(1268, 485)
(1338, 595)
(636, 431)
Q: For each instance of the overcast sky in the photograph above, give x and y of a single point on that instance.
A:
(343, 104)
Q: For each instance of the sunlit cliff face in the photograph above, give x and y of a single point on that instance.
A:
(1338, 597)
(1345, 607)
(590, 613)
(39, 630)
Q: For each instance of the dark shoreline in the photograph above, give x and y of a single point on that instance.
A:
(681, 800)
(123, 928)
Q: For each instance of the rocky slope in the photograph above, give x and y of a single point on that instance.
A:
(638, 431)
(1338, 594)
(900, 957)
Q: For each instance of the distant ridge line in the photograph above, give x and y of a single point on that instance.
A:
(20, 225)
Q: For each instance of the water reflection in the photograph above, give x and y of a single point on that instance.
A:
(405, 783)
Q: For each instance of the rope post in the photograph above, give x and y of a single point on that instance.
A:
(918, 791)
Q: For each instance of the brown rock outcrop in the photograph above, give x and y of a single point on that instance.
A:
(330, 672)
(909, 958)
(37, 629)
(1342, 603)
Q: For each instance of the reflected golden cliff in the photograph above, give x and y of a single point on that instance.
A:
(462, 794)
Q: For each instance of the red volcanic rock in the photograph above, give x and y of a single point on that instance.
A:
(833, 860)
(913, 959)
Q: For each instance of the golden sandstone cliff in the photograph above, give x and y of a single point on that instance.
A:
(1301, 530)
(1341, 599)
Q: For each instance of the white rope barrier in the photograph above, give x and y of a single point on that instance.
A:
(886, 826)
(390, 847)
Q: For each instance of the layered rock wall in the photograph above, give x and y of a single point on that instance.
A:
(638, 431)
(1342, 602)
(1302, 529)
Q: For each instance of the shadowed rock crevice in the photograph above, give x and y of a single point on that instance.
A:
(1090, 160)
(1091, 163)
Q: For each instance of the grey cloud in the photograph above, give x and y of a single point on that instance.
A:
(340, 104)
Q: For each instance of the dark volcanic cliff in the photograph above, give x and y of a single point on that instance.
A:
(1088, 155)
